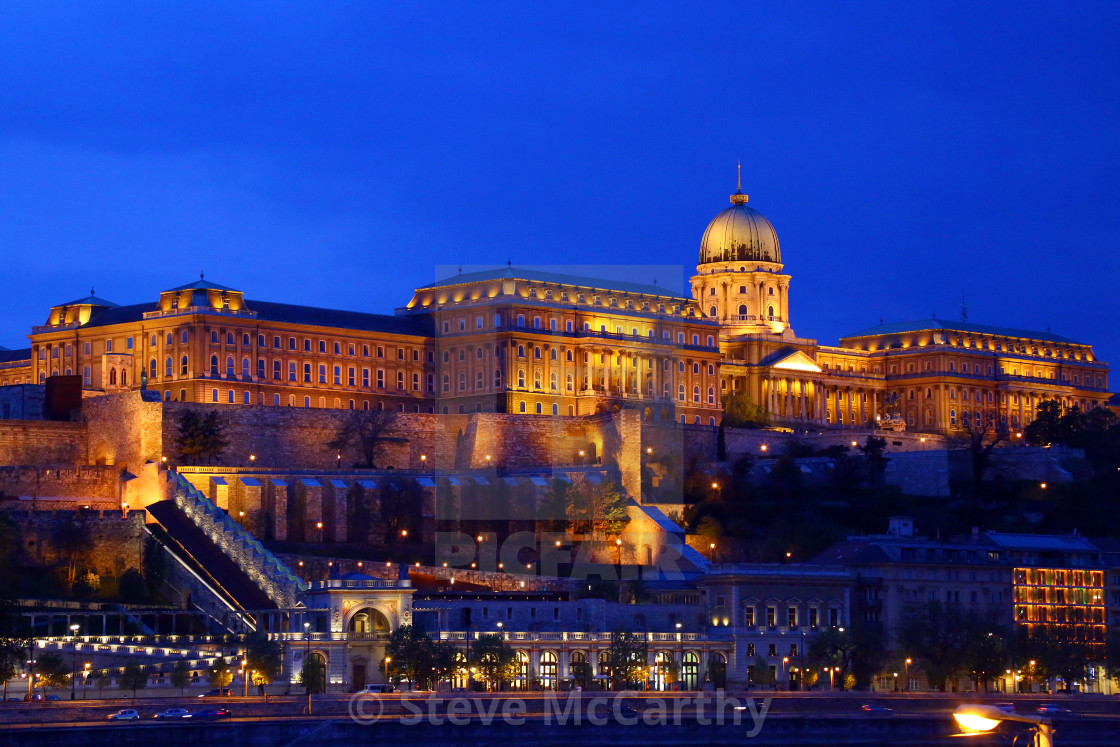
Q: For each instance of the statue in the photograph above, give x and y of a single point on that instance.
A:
(889, 416)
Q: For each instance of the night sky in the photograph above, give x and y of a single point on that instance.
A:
(339, 154)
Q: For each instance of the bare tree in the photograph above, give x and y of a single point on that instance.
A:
(366, 432)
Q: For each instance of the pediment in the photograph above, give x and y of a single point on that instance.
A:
(796, 361)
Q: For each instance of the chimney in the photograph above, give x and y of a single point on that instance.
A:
(901, 526)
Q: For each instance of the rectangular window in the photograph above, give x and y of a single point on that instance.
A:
(350, 376)
(415, 382)
(85, 348)
(380, 378)
(771, 617)
(350, 348)
(306, 345)
(322, 374)
(307, 373)
(129, 343)
(291, 343)
(791, 617)
(108, 346)
(276, 343)
(291, 371)
(748, 618)
(814, 617)
(365, 377)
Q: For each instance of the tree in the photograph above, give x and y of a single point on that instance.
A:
(219, 674)
(313, 675)
(181, 675)
(52, 672)
(103, 677)
(132, 587)
(73, 541)
(411, 656)
(715, 671)
(364, 432)
(200, 439)
(981, 436)
(760, 672)
(986, 657)
(582, 673)
(628, 654)
(264, 658)
(740, 412)
(938, 636)
(495, 661)
(597, 509)
(133, 678)
(443, 661)
(874, 460)
(15, 639)
(399, 505)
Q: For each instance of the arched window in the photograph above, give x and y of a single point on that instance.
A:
(213, 395)
(462, 382)
(214, 336)
(742, 310)
(112, 376)
(245, 368)
(521, 378)
(552, 381)
(446, 383)
(520, 351)
(231, 396)
(213, 365)
(538, 408)
(952, 417)
(568, 356)
(680, 392)
(497, 378)
(478, 380)
(521, 406)
(711, 395)
(712, 310)
(569, 382)
(552, 354)
(170, 367)
(152, 368)
(229, 338)
(770, 309)
(229, 366)
(695, 394)
(537, 352)
(711, 370)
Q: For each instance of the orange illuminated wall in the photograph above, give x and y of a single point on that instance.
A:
(1066, 601)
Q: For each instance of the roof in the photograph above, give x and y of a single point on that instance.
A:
(90, 300)
(933, 325)
(291, 314)
(1062, 543)
(201, 284)
(8, 356)
(540, 276)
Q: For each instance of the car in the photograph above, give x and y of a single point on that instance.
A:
(1005, 707)
(218, 692)
(875, 708)
(125, 714)
(53, 698)
(378, 689)
(173, 713)
(1051, 708)
(209, 713)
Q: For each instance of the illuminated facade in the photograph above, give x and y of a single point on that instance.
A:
(1067, 603)
(523, 341)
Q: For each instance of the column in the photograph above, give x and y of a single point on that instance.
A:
(851, 409)
(874, 405)
(802, 393)
(789, 397)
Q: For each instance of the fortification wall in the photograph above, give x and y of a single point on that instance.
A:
(42, 443)
(114, 539)
(94, 485)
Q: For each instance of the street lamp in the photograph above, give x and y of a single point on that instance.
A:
(975, 718)
(785, 661)
(73, 672)
(245, 676)
(909, 661)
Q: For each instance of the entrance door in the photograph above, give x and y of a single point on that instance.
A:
(359, 679)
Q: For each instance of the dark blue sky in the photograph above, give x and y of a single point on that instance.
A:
(335, 153)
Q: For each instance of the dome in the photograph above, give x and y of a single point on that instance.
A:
(740, 234)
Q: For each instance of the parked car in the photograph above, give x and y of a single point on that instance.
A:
(875, 708)
(210, 713)
(173, 713)
(52, 698)
(1006, 707)
(125, 714)
(218, 692)
(1052, 708)
(378, 688)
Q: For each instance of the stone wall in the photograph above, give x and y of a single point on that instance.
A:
(116, 539)
(42, 443)
(125, 429)
(95, 485)
(22, 401)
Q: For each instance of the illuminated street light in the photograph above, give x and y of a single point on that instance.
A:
(975, 719)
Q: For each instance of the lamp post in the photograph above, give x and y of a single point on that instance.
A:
(85, 681)
(785, 661)
(73, 669)
(245, 677)
(975, 719)
(909, 661)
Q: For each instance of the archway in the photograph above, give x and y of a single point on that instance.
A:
(690, 671)
(548, 670)
(369, 622)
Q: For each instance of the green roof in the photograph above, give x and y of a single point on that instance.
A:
(940, 325)
(539, 276)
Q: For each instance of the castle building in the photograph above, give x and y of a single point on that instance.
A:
(538, 343)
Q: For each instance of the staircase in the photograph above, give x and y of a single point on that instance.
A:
(213, 543)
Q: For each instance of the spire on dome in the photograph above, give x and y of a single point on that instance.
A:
(739, 198)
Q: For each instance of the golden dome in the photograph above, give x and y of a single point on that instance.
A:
(740, 234)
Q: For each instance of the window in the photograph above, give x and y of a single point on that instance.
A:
(276, 370)
(306, 345)
(291, 371)
(791, 616)
(230, 396)
(521, 322)
(229, 366)
(306, 373)
(381, 379)
(214, 337)
(108, 347)
(291, 343)
(322, 374)
(695, 394)
(771, 616)
(365, 377)
(748, 616)
(170, 341)
(169, 367)
(260, 368)
(350, 376)
(213, 365)
(276, 343)
(400, 380)
(183, 366)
